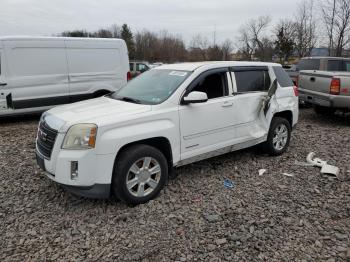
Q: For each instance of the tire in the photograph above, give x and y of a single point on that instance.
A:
(322, 110)
(132, 173)
(273, 148)
(100, 93)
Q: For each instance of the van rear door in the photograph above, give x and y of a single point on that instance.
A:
(38, 75)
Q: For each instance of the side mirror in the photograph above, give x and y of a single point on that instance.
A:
(195, 97)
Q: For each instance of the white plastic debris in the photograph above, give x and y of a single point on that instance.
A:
(262, 171)
(289, 175)
(330, 170)
(298, 163)
(325, 168)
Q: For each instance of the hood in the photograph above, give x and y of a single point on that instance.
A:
(91, 111)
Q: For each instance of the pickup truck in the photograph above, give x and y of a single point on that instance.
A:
(327, 91)
(127, 143)
(331, 64)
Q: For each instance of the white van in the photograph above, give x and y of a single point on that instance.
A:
(37, 73)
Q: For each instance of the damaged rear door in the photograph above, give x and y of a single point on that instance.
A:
(250, 87)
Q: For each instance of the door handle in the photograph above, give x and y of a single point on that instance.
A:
(227, 104)
(3, 84)
(312, 79)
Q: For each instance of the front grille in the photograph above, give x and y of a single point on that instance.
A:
(46, 139)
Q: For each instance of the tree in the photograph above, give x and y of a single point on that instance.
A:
(328, 8)
(127, 36)
(305, 28)
(214, 53)
(161, 47)
(226, 49)
(284, 44)
(245, 44)
(102, 33)
(198, 48)
(75, 33)
(253, 41)
(115, 31)
(342, 26)
(336, 15)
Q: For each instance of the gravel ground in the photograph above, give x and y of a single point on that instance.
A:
(270, 217)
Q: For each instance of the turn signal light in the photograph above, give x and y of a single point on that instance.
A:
(335, 86)
(92, 137)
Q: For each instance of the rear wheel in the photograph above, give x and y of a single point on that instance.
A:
(140, 174)
(278, 137)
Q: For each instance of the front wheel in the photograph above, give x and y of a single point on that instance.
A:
(278, 137)
(140, 174)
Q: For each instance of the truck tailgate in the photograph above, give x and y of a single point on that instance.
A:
(315, 81)
(320, 81)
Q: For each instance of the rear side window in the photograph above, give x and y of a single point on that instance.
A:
(282, 77)
(347, 66)
(252, 81)
(335, 65)
(309, 64)
(131, 66)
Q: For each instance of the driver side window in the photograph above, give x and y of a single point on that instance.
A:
(214, 85)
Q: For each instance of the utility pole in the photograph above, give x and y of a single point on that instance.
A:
(332, 27)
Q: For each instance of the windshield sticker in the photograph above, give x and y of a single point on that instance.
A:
(177, 73)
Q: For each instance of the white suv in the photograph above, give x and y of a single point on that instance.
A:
(128, 142)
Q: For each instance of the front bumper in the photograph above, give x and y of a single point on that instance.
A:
(97, 191)
(326, 100)
(94, 171)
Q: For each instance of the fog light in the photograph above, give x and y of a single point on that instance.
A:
(74, 170)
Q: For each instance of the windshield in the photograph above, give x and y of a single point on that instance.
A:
(152, 87)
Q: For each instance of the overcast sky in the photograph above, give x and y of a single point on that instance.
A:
(184, 17)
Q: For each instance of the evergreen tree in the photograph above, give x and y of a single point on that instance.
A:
(284, 45)
(127, 36)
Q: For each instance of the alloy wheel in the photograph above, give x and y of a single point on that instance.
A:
(280, 137)
(143, 177)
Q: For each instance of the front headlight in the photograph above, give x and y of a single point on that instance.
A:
(80, 136)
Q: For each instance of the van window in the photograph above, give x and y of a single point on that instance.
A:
(131, 67)
(214, 85)
(29, 61)
(309, 64)
(252, 81)
(335, 65)
(282, 77)
(85, 60)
